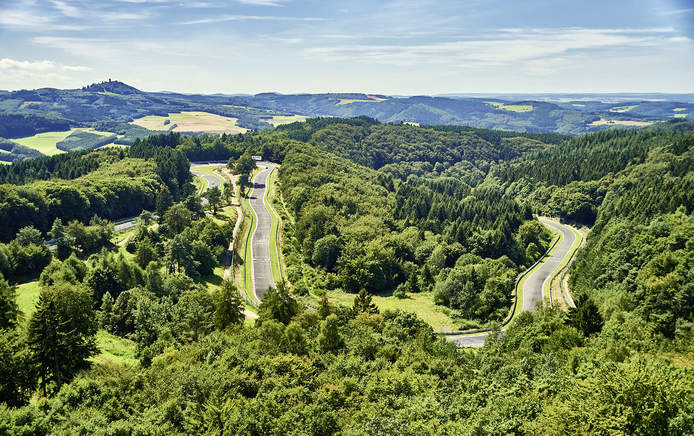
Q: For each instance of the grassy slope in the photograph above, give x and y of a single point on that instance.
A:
(113, 349)
(420, 303)
(45, 142)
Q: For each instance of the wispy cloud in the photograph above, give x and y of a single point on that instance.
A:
(677, 11)
(67, 9)
(236, 17)
(503, 47)
(263, 2)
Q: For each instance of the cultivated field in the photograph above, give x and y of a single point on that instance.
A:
(278, 120)
(620, 109)
(371, 99)
(510, 107)
(45, 142)
(190, 122)
(604, 122)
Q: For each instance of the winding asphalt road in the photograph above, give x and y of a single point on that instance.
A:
(534, 282)
(261, 265)
(212, 181)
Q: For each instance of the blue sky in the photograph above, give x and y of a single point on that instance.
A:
(390, 47)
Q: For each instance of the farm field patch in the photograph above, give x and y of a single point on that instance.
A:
(511, 107)
(630, 123)
(46, 142)
(191, 122)
(621, 109)
(371, 99)
(278, 120)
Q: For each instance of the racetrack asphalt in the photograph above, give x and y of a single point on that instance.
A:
(533, 288)
(260, 240)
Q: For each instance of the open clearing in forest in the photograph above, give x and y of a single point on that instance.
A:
(278, 120)
(620, 109)
(45, 142)
(631, 123)
(371, 99)
(680, 115)
(421, 303)
(191, 122)
(510, 107)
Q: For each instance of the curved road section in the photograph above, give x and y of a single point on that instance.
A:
(261, 265)
(212, 181)
(533, 288)
(535, 282)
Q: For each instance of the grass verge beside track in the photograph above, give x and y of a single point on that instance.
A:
(519, 295)
(570, 255)
(246, 278)
(274, 230)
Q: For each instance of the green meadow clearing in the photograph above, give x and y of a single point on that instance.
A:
(46, 142)
(511, 107)
(621, 109)
(278, 120)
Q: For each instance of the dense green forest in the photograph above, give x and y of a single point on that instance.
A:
(364, 207)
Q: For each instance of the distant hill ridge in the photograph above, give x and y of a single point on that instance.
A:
(112, 86)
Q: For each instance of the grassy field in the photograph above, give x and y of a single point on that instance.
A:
(679, 109)
(45, 142)
(191, 122)
(371, 99)
(510, 107)
(680, 115)
(420, 303)
(578, 105)
(278, 120)
(211, 170)
(114, 350)
(620, 109)
(604, 122)
(27, 297)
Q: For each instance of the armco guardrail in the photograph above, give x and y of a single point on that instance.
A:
(515, 300)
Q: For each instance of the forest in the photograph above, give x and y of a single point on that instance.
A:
(370, 209)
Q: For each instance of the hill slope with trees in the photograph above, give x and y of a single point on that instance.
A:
(619, 363)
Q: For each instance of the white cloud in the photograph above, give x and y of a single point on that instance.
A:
(263, 2)
(22, 18)
(11, 64)
(678, 11)
(235, 17)
(67, 9)
(503, 47)
(75, 68)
